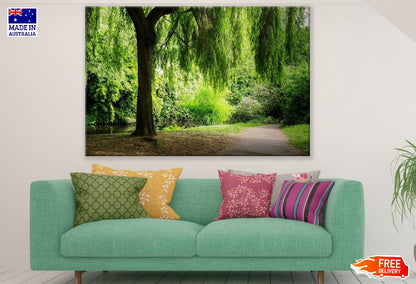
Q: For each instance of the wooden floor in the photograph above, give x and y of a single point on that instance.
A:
(16, 276)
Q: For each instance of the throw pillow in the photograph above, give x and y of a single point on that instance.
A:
(302, 201)
(156, 194)
(245, 196)
(100, 197)
(280, 179)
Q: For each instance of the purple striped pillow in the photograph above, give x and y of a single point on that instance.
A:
(302, 201)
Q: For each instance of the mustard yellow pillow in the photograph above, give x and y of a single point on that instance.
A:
(156, 194)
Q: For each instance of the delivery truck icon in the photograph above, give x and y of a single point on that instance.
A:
(382, 266)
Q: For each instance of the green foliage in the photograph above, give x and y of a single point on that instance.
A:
(167, 109)
(218, 42)
(296, 109)
(243, 87)
(259, 55)
(172, 113)
(248, 109)
(208, 39)
(272, 100)
(297, 35)
(404, 194)
(301, 32)
(280, 36)
(110, 66)
(173, 127)
(254, 100)
(209, 107)
(269, 43)
(290, 34)
(299, 136)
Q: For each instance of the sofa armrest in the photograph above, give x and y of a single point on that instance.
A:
(344, 220)
(52, 212)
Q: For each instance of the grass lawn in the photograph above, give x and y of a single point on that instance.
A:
(216, 129)
(299, 136)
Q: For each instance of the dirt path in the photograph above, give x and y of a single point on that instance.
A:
(266, 140)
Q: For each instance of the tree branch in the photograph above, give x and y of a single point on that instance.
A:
(196, 17)
(139, 19)
(158, 12)
(173, 29)
(184, 42)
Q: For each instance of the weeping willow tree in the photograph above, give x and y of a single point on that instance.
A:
(209, 40)
(206, 37)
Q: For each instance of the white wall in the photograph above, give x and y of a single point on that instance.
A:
(363, 99)
(399, 12)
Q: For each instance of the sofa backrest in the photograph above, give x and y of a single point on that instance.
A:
(197, 200)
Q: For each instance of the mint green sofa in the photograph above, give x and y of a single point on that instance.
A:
(195, 242)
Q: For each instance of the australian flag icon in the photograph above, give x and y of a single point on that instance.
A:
(22, 16)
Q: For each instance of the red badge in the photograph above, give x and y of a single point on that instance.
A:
(381, 266)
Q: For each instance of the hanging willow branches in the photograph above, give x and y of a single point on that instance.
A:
(183, 43)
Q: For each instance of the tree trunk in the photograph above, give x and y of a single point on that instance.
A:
(145, 125)
(146, 41)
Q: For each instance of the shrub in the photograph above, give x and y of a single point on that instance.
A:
(167, 109)
(271, 99)
(248, 109)
(107, 102)
(296, 109)
(244, 86)
(208, 107)
(171, 112)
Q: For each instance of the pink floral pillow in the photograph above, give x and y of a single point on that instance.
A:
(245, 196)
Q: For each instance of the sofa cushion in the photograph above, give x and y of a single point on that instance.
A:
(131, 238)
(156, 194)
(245, 196)
(105, 197)
(281, 178)
(263, 237)
(302, 201)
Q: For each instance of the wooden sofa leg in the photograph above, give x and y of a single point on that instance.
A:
(78, 277)
(320, 277)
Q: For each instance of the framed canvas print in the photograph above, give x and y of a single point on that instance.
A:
(197, 81)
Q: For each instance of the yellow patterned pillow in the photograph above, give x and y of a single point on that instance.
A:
(156, 194)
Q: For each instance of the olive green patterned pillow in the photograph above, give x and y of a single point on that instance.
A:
(100, 197)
